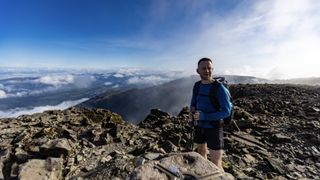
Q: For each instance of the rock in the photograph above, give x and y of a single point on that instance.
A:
(105, 159)
(169, 147)
(56, 147)
(314, 109)
(138, 161)
(41, 169)
(275, 121)
(159, 113)
(280, 138)
(275, 164)
(180, 165)
(14, 171)
(4, 158)
(21, 155)
(249, 159)
(152, 156)
(184, 112)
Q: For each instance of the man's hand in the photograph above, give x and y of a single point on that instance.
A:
(196, 115)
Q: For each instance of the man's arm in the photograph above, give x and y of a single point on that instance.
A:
(193, 104)
(225, 105)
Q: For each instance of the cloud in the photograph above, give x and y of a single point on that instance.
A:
(130, 71)
(108, 83)
(56, 80)
(147, 80)
(118, 75)
(79, 80)
(2, 94)
(20, 111)
(115, 86)
(262, 35)
(83, 81)
(282, 35)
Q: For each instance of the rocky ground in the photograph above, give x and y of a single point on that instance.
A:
(278, 138)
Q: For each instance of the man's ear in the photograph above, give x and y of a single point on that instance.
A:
(198, 71)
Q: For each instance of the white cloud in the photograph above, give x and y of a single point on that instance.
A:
(263, 35)
(56, 80)
(118, 75)
(115, 86)
(108, 83)
(2, 94)
(21, 93)
(149, 80)
(130, 71)
(83, 81)
(20, 111)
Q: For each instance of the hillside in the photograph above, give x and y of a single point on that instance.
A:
(135, 104)
(279, 138)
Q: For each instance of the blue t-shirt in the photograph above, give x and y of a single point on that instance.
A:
(207, 111)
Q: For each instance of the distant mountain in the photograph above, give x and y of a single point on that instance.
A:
(134, 105)
(23, 90)
(313, 81)
(235, 79)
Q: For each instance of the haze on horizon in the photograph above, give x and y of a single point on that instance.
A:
(269, 39)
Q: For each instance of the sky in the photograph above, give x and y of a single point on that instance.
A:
(264, 38)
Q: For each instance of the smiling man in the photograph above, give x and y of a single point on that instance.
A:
(209, 119)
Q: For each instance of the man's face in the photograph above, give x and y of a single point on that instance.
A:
(205, 70)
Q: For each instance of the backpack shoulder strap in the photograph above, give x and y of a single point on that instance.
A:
(196, 88)
(213, 95)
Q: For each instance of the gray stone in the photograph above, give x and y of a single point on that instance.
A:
(4, 157)
(152, 156)
(57, 147)
(106, 159)
(169, 147)
(14, 171)
(180, 165)
(21, 155)
(138, 161)
(280, 138)
(41, 169)
(249, 159)
(276, 165)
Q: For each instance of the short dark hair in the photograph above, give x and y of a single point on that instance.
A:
(204, 59)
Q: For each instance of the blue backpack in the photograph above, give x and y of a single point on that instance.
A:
(213, 95)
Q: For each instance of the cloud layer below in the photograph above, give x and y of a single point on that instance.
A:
(20, 111)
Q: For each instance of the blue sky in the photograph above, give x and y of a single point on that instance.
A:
(272, 39)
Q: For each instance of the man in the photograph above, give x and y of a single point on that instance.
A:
(209, 130)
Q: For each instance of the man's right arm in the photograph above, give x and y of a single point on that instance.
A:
(193, 103)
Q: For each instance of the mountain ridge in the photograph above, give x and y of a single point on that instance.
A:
(134, 104)
(279, 138)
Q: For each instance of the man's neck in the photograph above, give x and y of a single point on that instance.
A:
(207, 81)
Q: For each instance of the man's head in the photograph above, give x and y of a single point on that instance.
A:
(205, 68)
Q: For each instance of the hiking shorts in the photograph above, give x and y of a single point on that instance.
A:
(212, 136)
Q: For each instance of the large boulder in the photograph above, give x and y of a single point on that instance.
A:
(189, 165)
(41, 169)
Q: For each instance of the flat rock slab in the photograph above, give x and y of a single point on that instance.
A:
(180, 166)
(38, 169)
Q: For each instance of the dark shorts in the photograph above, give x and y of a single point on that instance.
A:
(212, 136)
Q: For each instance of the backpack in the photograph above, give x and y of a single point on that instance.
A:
(212, 95)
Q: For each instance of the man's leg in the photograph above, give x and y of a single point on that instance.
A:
(202, 150)
(216, 158)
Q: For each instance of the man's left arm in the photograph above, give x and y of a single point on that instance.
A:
(223, 98)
